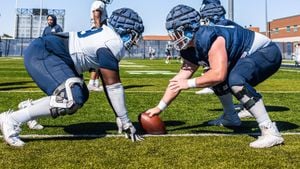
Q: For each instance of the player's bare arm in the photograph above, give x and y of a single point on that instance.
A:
(217, 58)
(187, 70)
(217, 73)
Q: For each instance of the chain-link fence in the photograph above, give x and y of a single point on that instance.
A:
(16, 47)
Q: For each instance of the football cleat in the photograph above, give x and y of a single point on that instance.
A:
(10, 130)
(94, 88)
(270, 136)
(244, 113)
(223, 120)
(32, 124)
(205, 91)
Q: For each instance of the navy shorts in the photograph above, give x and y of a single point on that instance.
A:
(107, 60)
(257, 67)
(49, 64)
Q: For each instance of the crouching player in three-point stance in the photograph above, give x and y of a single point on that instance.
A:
(56, 63)
(236, 56)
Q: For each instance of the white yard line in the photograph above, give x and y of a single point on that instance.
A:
(38, 136)
(140, 91)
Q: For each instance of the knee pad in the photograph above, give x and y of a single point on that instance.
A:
(221, 89)
(68, 97)
(246, 91)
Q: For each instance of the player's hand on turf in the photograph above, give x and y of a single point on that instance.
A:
(178, 84)
(130, 132)
(153, 111)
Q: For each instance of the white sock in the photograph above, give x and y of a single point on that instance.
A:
(40, 108)
(91, 82)
(117, 98)
(96, 83)
(260, 113)
(227, 103)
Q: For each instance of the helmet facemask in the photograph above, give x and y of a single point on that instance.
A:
(181, 37)
(130, 39)
(107, 1)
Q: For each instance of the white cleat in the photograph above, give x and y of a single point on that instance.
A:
(238, 107)
(94, 88)
(32, 124)
(270, 136)
(25, 104)
(205, 91)
(10, 130)
(244, 113)
(223, 120)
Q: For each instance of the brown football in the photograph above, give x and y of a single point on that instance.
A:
(152, 125)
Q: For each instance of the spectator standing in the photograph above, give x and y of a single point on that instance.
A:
(297, 54)
(52, 27)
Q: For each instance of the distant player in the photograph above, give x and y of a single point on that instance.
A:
(168, 52)
(297, 54)
(99, 17)
(56, 63)
(237, 57)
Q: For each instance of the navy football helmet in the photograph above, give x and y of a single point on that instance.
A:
(128, 24)
(205, 2)
(212, 12)
(107, 1)
(181, 23)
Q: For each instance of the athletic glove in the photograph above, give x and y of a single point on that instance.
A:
(130, 132)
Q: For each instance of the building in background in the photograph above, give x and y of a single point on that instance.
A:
(30, 23)
(285, 29)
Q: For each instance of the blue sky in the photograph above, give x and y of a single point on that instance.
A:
(153, 12)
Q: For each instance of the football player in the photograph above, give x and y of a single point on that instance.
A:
(213, 13)
(237, 57)
(98, 18)
(56, 63)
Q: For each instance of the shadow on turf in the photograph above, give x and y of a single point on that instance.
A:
(269, 109)
(247, 127)
(92, 130)
(136, 86)
(15, 85)
(101, 129)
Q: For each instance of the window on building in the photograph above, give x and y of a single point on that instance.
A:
(276, 30)
(288, 28)
(295, 28)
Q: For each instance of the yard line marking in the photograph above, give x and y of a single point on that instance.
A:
(290, 70)
(37, 136)
(151, 72)
(143, 91)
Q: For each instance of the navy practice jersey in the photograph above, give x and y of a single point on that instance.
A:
(239, 43)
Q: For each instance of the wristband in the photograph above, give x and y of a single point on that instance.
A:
(162, 105)
(192, 83)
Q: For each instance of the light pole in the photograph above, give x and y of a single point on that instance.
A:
(41, 8)
(266, 15)
(231, 10)
(16, 24)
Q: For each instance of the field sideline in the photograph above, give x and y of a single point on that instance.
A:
(89, 139)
